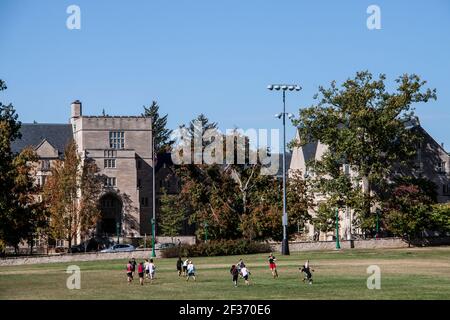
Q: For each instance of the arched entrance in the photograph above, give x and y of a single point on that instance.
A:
(111, 217)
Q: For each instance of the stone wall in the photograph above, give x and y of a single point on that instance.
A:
(359, 244)
(76, 257)
(183, 239)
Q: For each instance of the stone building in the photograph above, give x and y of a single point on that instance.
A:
(432, 162)
(121, 148)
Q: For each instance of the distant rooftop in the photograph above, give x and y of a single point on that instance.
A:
(58, 135)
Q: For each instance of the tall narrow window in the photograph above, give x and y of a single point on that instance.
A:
(110, 182)
(144, 201)
(45, 165)
(116, 139)
(441, 167)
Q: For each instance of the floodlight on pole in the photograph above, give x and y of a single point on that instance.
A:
(284, 88)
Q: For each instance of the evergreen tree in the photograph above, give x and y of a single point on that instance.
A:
(159, 124)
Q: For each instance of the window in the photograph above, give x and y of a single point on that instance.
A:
(441, 167)
(117, 140)
(45, 165)
(110, 182)
(110, 163)
(144, 201)
(446, 189)
(346, 169)
(40, 180)
(110, 154)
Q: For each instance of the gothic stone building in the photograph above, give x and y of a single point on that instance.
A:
(121, 148)
(432, 162)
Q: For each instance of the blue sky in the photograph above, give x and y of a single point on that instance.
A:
(214, 57)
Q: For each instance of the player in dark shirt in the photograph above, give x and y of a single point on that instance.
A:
(273, 266)
(235, 274)
(307, 272)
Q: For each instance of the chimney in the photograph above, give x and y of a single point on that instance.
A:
(442, 145)
(76, 109)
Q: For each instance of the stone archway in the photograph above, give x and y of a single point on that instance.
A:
(111, 214)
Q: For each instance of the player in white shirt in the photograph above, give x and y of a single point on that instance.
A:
(245, 273)
(151, 269)
(190, 271)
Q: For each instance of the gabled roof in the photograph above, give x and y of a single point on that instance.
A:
(33, 134)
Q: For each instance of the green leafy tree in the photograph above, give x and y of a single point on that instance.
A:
(409, 211)
(367, 128)
(159, 126)
(325, 218)
(440, 217)
(20, 213)
(172, 214)
(71, 194)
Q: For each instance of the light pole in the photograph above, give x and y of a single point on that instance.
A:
(338, 245)
(284, 87)
(153, 193)
(378, 223)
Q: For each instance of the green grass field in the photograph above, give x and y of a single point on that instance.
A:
(419, 273)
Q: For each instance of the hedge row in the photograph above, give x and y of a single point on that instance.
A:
(217, 248)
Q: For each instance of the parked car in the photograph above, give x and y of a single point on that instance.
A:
(164, 245)
(120, 248)
(93, 244)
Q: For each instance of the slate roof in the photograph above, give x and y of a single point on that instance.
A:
(309, 151)
(58, 135)
(280, 166)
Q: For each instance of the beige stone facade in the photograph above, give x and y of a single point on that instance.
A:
(121, 148)
(432, 162)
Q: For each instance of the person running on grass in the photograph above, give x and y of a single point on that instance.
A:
(152, 270)
(190, 271)
(133, 265)
(307, 272)
(185, 264)
(129, 272)
(272, 265)
(179, 266)
(147, 269)
(234, 274)
(141, 273)
(245, 274)
(240, 265)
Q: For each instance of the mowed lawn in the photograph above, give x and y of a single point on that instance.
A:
(417, 273)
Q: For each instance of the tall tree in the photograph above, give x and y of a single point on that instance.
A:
(20, 214)
(367, 128)
(172, 214)
(71, 194)
(159, 126)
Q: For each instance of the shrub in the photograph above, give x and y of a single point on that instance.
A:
(217, 248)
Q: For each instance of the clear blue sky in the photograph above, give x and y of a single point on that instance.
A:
(214, 57)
